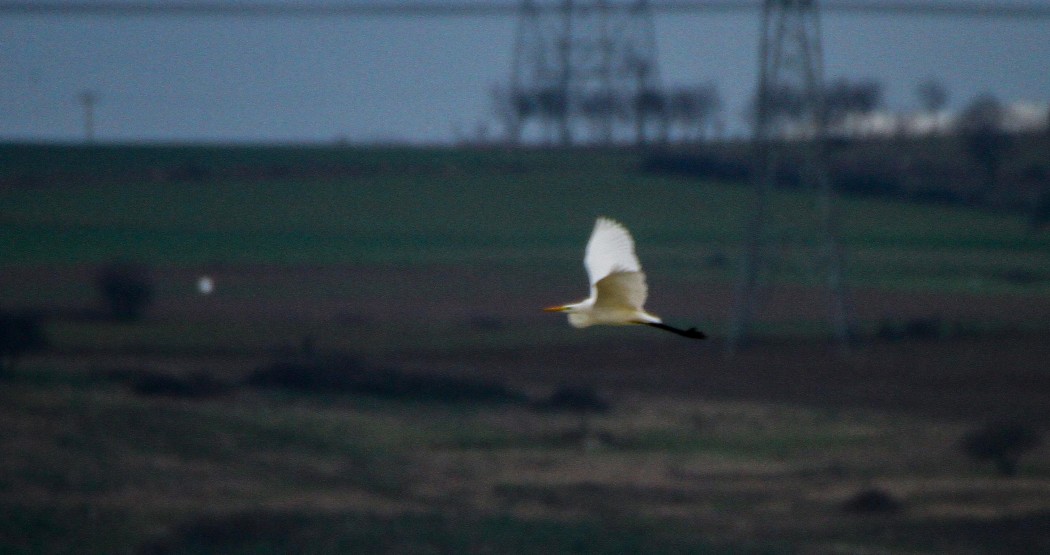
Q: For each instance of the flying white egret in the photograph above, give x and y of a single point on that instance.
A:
(618, 289)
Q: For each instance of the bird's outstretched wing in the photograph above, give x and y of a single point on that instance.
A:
(622, 290)
(609, 250)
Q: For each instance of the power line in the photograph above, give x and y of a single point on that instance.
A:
(236, 8)
(984, 9)
(969, 9)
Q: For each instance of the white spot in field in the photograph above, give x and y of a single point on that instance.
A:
(205, 285)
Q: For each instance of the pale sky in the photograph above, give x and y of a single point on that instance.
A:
(428, 80)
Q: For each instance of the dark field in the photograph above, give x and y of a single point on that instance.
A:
(402, 393)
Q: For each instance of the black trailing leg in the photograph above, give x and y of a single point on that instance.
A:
(691, 333)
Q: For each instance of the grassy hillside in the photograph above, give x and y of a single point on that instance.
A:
(399, 205)
(359, 206)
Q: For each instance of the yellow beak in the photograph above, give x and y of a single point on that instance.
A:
(556, 309)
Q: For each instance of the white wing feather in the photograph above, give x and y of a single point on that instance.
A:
(609, 250)
(621, 291)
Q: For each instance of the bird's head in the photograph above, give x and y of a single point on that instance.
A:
(579, 313)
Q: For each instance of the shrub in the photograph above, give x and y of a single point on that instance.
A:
(189, 172)
(336, 373)
(20, 334)
(1002, 443)
(193, 386)
(923, 328)
(344, 374)
(151, 383)
(126, 289)
(872, 500)
(863, 180)
(241, 532)
(577, 399)
(697, 166)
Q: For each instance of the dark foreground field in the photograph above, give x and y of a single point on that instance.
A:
(464, 446)
(372, 373)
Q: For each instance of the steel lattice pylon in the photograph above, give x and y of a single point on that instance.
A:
(790, 115)
(584, 72)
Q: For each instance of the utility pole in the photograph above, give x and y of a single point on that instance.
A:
(582, 69)
(88, 98)
(789, 115)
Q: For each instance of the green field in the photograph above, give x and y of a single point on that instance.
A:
(361, 206)
(406, 284)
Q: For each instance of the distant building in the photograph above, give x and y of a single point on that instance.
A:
(1017, 117)
(1026, 116)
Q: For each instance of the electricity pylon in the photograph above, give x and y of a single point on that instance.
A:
(790, 116)
(584, 71)
(88, 99)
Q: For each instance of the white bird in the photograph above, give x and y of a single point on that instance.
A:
(618, 288)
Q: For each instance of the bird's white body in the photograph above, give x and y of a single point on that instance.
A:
(618, 288)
